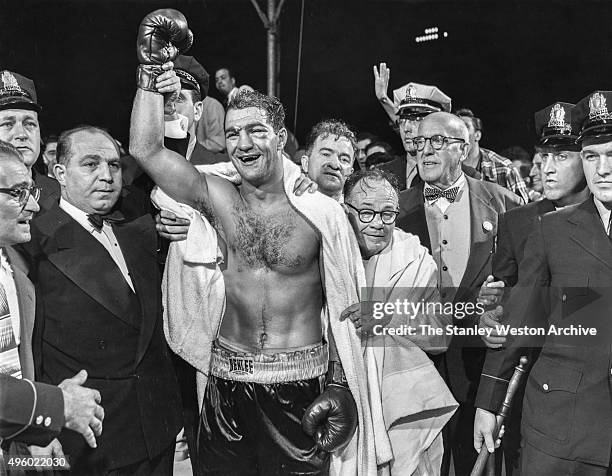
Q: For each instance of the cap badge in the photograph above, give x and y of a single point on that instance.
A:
(557, 118)
(9, 83)
(410, 94)
(597, 107)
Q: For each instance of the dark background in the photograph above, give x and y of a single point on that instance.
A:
(503, 59)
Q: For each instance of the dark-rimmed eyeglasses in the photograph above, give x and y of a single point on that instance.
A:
(437, 141)
(366, 215)
(22, 194)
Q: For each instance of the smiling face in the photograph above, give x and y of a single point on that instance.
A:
(20, 128)
(442, 167)
(14, 217)
(253, 146)
(377, 195)
(562, 175)
(597, 166)
(90, 176)
(329, 163)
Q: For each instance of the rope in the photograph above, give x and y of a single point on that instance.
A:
(299, 67)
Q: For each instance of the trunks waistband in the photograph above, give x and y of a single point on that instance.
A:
(302, 364)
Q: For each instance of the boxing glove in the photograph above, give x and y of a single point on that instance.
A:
(332, 418)
(162, 36)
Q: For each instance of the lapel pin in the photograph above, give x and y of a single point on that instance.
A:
(487, 225)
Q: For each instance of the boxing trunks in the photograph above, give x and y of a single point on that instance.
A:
(251, 420)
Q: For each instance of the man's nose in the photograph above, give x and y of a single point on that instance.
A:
(244, 141)
(105, 173)
(604, 165)
(32, 205)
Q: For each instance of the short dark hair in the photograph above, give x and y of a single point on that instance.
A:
(275, 112)
(367, 177)
(64, 142)
(385, 146)
(229, 71)
(465, 112)
(330, 127)
(9, 149)
(49, 139)
(366, 135)
(378, 158)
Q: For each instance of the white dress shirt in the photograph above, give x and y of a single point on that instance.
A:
(442, 203)
(6, 279)
(604, 214)
(105, 236)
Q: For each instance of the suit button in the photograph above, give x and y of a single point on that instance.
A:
(102, 344)
(545, 387)
(444, 268)
(47, 421)
(39, 420)
(564, 297)
(444, 242)
(446, 217)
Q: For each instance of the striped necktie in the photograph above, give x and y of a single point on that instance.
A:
(9, 354)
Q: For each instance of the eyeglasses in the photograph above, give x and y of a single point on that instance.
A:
(22, 195)
(366, 215)
(437, 141)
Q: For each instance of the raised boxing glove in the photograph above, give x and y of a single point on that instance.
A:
(332, 418)
(162, 36)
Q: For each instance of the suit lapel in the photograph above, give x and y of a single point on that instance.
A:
(412, 217)
(26, 302)
(142, 267)
(88, 265)
(589, 232)
(481, 238)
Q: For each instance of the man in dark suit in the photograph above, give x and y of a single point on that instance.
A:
(564, 279)
(30, 412)
(564, 185)
(455, 216)
(100, 309)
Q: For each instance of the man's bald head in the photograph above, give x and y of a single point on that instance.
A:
(453, 124)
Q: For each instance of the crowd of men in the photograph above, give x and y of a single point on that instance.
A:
(258, 346)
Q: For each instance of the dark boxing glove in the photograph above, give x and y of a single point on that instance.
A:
(332, 418)
(162, 36)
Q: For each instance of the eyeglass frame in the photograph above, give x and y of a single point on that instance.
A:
(445, 141)
(374, 213)
(24, 194)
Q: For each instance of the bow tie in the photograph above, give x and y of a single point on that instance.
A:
(433, 194)
(98, 220)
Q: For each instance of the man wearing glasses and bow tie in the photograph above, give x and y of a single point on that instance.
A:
(455, 217)
(98, 288)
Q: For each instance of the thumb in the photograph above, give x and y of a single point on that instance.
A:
(80, 378)
(498, 312)
(489, 279)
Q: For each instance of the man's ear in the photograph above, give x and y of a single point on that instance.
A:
(478, 136)
(198, 107)
(282, 138)
(465, 149)
(59, 170)
(304, 161)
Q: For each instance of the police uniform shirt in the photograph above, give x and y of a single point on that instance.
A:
(604, 214)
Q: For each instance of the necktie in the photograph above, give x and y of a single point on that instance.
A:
(433, 193)
(98, 220)
(9, 353)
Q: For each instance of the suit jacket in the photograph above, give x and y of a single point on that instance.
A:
(513, 229)
(462, 363)
(50, 192)
(89, 318)
(565, 279)
(20, 399)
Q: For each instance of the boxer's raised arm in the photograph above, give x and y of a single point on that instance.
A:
(169, 170)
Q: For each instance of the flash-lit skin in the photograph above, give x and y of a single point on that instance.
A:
(15, 218)
(442, 168)
(361, 155)
(597, 166)
(379, 196)
(49, 157)
(329, 164)
(20, 128)
(535, 174)
(91, 177)
(563, 177)
(224, 82)
(408, 129)
(191, 110)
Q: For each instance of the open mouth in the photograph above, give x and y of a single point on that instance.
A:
(248, 159)
(427, 163)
